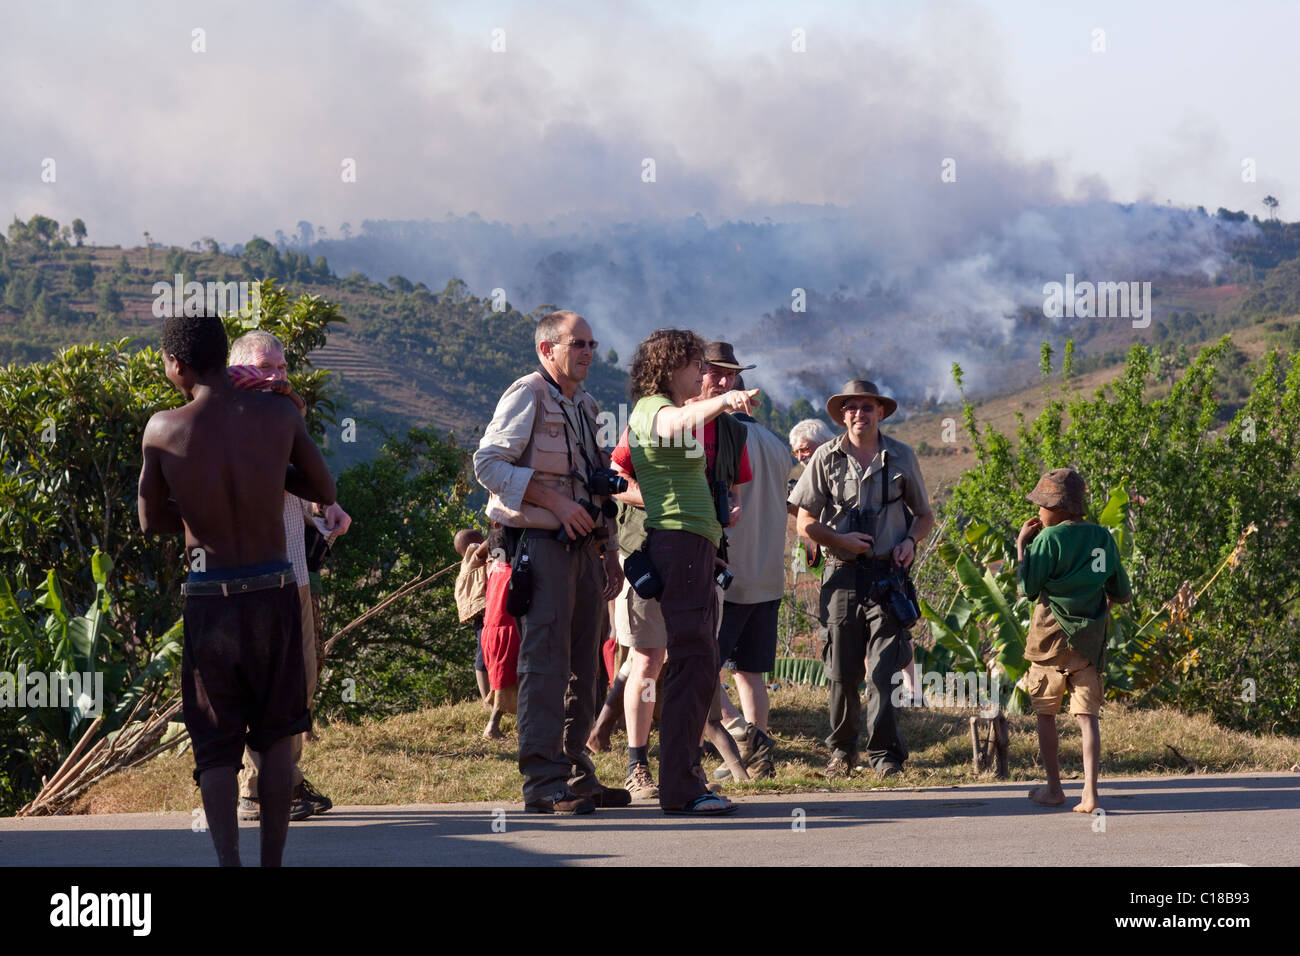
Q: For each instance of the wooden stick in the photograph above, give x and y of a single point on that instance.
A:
(76, 752)
(1003, 745)
(405, 590)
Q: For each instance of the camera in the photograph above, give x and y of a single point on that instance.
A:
(898, 595)
(606, 509)
(863, 521)
(605, 481)
(724, 577)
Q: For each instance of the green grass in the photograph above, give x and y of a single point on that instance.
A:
(439, 756)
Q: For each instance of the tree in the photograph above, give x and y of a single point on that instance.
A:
(611, 357)
(109, 301)
(414, 497)
(83, 276)
(1272, 205)
(1198, 497)
(346, 230)
(306, 233)
(211, 245)
(400, 284)
(148, 249)
(78, 231)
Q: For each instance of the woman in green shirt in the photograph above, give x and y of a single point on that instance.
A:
(684, 534)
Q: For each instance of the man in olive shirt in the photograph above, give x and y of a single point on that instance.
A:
(866, 478)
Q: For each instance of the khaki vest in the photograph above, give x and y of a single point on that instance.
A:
(548, 454)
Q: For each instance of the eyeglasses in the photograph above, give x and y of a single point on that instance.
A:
(862, 409)
(580, 344)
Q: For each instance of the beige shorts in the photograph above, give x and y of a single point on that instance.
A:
(637, 622)
(1067, 671)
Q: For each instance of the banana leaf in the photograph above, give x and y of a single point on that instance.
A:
(1115, 517)
(799, 670)
(160, 665)
(952, 633)
(19, 640)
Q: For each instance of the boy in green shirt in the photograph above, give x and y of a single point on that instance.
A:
(1069, 567)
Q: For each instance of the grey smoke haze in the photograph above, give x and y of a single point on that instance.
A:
(840, 146)
(900, 315)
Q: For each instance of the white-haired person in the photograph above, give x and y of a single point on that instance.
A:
(264, 351)
(805, 438)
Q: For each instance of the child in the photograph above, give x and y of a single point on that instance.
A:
(500, 639)
(1068, 566)
(471, 596)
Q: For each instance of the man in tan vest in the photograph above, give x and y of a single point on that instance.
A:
(537, 458)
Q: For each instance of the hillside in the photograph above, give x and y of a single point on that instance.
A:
(410, 355)
(945, 461)
(406, 356)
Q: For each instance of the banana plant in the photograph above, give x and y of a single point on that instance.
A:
(984, 626)
(65, 643)
(799, 670)
(1129, 645)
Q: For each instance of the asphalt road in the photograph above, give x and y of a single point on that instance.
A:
(1219, 820)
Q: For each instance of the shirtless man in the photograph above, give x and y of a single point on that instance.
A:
(225, 460)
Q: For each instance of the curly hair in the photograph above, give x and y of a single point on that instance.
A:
(661, 354)
(199, 341)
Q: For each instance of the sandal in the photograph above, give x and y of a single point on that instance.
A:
(705, 805)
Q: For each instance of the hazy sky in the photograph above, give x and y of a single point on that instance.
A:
(252, 134)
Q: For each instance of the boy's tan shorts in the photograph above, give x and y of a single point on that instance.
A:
(1068, 670)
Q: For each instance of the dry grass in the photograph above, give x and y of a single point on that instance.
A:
(438, 756)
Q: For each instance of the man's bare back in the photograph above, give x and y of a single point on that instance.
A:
(223, 459)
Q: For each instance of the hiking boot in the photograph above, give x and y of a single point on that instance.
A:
(249, 809)
(561, 802)
(762, 770)
(761, 747)
(300, 808)
(840, 766)
(319, 802)
(640, 784)
(747, 744)
(606, 797)
(889, 769)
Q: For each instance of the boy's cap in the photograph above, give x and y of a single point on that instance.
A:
(1059, 488)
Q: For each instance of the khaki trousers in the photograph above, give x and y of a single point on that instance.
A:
(252, 759)
(559, 658)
